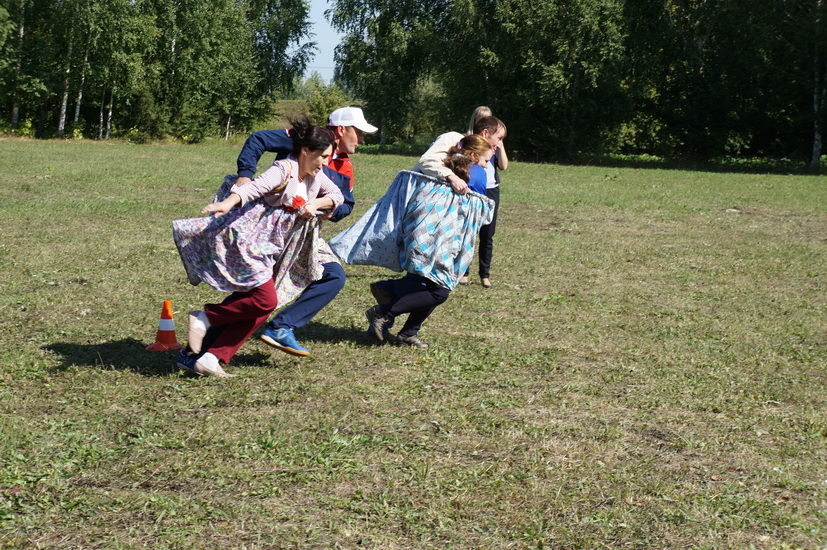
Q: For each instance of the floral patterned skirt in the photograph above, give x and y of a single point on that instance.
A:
(249, 245)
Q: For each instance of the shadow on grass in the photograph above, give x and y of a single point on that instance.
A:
(330, 334)
(127, 354)
(131, 355)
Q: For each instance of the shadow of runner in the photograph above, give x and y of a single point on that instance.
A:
(330, 334)
(127, 354)
(131, 355)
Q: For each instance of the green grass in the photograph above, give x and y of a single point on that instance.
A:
(648, 372)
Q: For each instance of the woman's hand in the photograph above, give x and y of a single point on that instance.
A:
(222, 207)
(457, 184)
(308, 211)
(316, 207)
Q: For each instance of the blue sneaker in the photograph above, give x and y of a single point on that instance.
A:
(283, 339)
(186, 360)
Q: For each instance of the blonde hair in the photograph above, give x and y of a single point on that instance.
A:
(480, 112)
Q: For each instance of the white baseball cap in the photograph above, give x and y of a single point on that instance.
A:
(351, 116)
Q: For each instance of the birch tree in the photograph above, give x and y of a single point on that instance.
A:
(819, 81)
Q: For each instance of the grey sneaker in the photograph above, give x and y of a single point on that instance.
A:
(377, 323)
(411, 341)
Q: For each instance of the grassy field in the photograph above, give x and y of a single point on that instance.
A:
(648, 372)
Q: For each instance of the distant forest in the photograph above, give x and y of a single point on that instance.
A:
(696, 79)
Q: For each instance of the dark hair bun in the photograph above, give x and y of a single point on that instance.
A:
(305, 134)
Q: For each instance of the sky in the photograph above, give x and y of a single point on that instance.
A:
(326, 40)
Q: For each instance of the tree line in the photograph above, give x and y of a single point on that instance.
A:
(147, 68)
(685, 78)
(676, 78)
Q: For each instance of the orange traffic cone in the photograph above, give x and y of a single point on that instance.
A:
(165, 337)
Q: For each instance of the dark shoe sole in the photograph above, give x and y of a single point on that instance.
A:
(184, 367)
(292, 351)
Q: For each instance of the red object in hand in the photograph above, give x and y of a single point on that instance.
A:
(298, 202)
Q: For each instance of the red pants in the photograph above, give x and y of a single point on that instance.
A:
(234, 320)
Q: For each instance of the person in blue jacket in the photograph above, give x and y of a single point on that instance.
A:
(348, 127)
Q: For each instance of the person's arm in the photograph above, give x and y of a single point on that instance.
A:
(348, 201)
(272, 180)
(329, 198)
(432, 162)
(316, 206)
(222, 207)
(273, 141)
(502, 158)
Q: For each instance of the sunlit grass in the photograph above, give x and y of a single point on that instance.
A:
(647, 372)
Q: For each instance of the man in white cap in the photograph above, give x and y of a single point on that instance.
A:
(348, 128)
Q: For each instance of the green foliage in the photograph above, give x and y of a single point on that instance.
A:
(190, 68)
(676, 78)
(322, 99)
(385, 56)
(571, 78)
(6, 28)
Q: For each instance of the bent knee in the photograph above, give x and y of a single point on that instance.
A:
(440, 295)
(335, 275)
(265, 299)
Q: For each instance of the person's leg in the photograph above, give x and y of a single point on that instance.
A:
(314, 298)
(420, 305)
(279, 331)
(412, 294)
(486, 237)
(234, 320)
(388, 293)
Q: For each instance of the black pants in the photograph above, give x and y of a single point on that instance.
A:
(486, 236)
(415, 295)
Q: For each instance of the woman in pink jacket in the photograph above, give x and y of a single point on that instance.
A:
(261, 230)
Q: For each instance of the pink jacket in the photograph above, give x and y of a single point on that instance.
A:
(266, 184)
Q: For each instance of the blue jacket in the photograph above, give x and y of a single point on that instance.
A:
(279, 142)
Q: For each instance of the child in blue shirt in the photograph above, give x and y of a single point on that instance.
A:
(467, 159)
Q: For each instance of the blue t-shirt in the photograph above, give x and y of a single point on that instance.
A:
(478, 179)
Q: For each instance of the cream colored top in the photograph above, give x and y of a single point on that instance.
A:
(432, 163)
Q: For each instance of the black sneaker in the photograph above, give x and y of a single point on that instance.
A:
(377, 323)
(413, 341)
